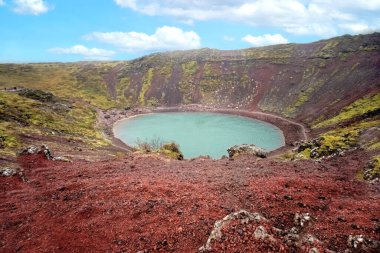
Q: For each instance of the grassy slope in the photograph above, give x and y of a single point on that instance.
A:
(72, 80)
(24, 116)
(348, 126)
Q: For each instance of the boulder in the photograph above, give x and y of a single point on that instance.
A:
(34, 150)
(248, 231)
(241, 216)
(29, 150)
(372, 170)
(7, 172)
(248, 149)
(360, 243)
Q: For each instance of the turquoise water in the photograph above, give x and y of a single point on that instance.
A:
(199, 133)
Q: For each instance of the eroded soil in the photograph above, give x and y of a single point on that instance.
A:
(151, 204)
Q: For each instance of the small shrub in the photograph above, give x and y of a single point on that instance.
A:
(149, 145)
(170, 149)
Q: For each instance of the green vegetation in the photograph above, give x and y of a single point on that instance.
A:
(186, 85)
(360, 107)
(123, 96)
(66, 80)
(279, 54)
(22, 115)
(328, 50)
(156, 145)
(335, 141)
(210, 83)
(371, 171)
(313, 84)
(171, 150)
(145, 86)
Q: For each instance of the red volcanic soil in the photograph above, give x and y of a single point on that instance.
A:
(148, 203)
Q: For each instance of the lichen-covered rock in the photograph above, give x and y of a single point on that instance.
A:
(43, 150)
(325, 146)
(372, 170)
(61, 159)
(359, 243)
(46, 151)
(250, 232)
(7, 172)
(30, 150)
(242, 216)
(248, 149)
(301, 220)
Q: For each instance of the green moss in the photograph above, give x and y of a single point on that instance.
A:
(337, 140)
(157, 146)
(328, 50)
(359, 107)
(374, 146)
(165, 70)
(186, 85)
(305, 153)
(371, 171)
(21, 115)
(67, 80)
(171, 150)
(278, 54)
(153, 102)
(189, 68)
(9, 141)
(145, 86)
(375, 163)
(310, 84)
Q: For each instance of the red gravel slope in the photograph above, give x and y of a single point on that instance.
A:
(150, 204)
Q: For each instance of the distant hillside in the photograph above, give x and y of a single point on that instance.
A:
(292, 80)
(311, 83)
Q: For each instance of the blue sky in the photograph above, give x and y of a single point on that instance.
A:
(76, 30)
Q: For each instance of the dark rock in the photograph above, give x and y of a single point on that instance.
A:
(288, 197)
(359, 243)
(39, 95)
(341, 219)
(302, 220)
(300, 204)
(46, 151)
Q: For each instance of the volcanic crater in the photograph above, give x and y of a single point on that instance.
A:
(86, 191)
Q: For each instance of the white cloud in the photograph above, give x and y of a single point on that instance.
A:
(265, 40)
(34, 7)
(127, 3)
(88, 53)
(2, 2)
(316, 17)
(359, 28)
(164, 38)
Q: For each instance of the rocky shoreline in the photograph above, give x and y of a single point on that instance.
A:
(293, 132)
